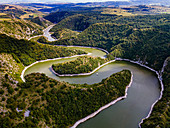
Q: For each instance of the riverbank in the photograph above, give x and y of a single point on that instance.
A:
(136, 62)
(45, 31)
(162, 89)
(22, 74)
(82, 74)
(79, 47)
(159, 78)
(104, 107)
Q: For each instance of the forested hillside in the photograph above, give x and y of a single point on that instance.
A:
(58, 104)
(41, 21)
(57, 16)
(144, 38)
(104, 35)
(149, 46)
(160, 116)
(81, 20)
(85, 19)
(64, 33)
(28, 52)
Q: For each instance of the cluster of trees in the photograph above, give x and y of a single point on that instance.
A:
(104, 35)
(160, 116)
(64, 33)
(28, 52)
(139, 37)
(60, 104)
(151, 47)
(80, 21)
(144, 21)
(58, 16)
(75, 22)
(42, 39)
(145, 38)
(83, 64)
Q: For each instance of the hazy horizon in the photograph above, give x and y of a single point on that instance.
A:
(55, 1)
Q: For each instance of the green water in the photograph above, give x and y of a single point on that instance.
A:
(124, 114)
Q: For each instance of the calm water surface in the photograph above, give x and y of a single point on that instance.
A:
(124, 114)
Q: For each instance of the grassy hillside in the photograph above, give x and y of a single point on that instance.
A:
(20, 28)
(19, 12)
(57, 104)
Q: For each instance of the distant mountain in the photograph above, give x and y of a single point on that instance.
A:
(101, 2)
(153, 2)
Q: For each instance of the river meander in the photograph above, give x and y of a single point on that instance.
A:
(124, 114)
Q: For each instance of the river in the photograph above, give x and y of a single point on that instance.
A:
(126, 113)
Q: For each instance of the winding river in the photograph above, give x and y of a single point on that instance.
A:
(127, 113)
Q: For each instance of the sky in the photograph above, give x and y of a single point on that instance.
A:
(61, 1)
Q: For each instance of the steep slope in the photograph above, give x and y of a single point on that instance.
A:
(57, 16)
(28, 52)
(81, 20)
(75, 22)
(160, 116)
(21, 29)
(104, 35)
(150, 47)
(41, 21)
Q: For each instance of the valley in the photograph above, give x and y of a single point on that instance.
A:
(131, 45)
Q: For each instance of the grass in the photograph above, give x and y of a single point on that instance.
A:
(2, 14)
(117, 11)
(5, 19)
(34, 15)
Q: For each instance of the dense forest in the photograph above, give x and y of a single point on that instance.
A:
(133, 39)
(160, 116)
(151, 47)
(57, 104)
(81, 21)
(83, 64)
(64, 33)
(28, 52)
(144, 38)
(42, 39)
